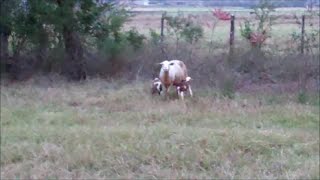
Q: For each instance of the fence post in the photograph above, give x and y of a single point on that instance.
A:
(162, 24)
(302, 34)
(164, 53)
(231, 40)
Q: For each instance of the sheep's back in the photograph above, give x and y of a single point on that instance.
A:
(177, 73)
(181, 65)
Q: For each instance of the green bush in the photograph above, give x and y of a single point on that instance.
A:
(135, 38)
(192, 33)
(246, 30)
(302, 97)
(228, 89)
(183, 27)
(155, 37)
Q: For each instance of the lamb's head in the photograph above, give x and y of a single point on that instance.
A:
(165, 65)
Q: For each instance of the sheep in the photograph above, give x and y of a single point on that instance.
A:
(172, 72)
(156, 86)
(183, 86)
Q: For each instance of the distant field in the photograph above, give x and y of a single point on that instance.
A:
(99, 129)
(284, 25)
(209, 8)
(196, 10)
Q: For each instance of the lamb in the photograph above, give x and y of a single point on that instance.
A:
(156, 86)
(183, 86)
(172, 72)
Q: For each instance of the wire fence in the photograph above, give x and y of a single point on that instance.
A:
(254, 37)
(239, 3)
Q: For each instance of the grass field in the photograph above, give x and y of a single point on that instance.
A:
(100, 129)
(55, 129)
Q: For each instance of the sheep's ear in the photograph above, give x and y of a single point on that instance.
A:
(163, 62)
(188, 78)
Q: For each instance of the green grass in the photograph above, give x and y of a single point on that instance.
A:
(98, 129)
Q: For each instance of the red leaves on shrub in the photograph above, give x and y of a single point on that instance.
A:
(221, 15)
(257, 38)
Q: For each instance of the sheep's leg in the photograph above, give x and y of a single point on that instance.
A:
(167, 90)
(190, 91)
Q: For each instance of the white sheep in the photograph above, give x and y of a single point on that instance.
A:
(172, 72)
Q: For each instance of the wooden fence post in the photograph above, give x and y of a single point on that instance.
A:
(164, 53)
(231, 40)
(162, 26)
(302, 34)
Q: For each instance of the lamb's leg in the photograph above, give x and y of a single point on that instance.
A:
(190, 90)
(178, 91)
(181, 95)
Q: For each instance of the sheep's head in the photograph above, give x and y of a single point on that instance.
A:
(165, 65)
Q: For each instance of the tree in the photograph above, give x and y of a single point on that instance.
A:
(39, 28)
(7, 10)
(73, 46)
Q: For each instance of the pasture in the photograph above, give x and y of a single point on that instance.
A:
(100, 129)
(112, 128)
(286, 21)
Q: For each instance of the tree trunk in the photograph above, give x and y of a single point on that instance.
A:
(74, 52)
(74, 62)
(42, 49)
(4, 44)
(5, 63)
